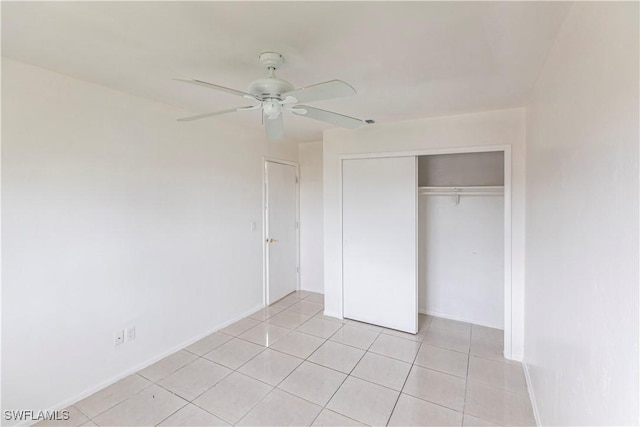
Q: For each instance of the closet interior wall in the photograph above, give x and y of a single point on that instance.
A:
(461, 237)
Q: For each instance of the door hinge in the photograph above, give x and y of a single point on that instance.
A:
(297, 225)
(296, 179)
(297, 269)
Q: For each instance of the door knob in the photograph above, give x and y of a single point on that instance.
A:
(271, 240)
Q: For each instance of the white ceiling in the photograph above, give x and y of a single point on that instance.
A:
(406, 59)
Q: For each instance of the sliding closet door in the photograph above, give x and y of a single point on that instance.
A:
(379, 241)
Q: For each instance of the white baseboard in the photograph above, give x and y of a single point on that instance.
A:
(330, 314)
(460, 319)
(312, 289)
(532, 395)
(148, 362)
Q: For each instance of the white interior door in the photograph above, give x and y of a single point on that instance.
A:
(281, 230)
(380, 241)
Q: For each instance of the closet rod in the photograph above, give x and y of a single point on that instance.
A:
(462, 191)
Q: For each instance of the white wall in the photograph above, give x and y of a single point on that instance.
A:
(311, 217)
(582, 320)
(449, 170)
(115, 214)
(493, 128)
(461, 258)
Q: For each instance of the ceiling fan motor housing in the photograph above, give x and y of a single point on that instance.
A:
(270, 87)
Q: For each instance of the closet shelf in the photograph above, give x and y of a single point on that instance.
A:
(476, 190)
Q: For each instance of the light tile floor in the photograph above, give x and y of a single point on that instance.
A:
(288, 364)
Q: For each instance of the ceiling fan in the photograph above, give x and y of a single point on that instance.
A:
(274, 96)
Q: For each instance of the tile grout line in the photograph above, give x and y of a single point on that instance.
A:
(181, 367)
(314, 363)
(287, 376)
(407, 377)
(350, 374)
(480, 382)
(234, 370)
(368, 350)
(197, 357)
(217, 382)
(346, 377)
(174, 412)
(323, 366)
(249, 360)
(466, 381)
(79, 410)
(122, 401)
(381, 331)
(445, 373)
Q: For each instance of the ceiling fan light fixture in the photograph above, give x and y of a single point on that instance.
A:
(272, 108)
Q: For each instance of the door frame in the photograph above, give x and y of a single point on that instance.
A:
(265, 225)
(506, 150)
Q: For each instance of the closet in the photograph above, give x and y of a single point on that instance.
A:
(423, 234)
(461, 237)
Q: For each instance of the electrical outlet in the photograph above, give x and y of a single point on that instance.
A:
(129, 333)
(118, 338)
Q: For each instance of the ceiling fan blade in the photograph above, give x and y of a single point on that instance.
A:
(327, 116)
(217, 113)
(274, 128)
(320, 91)
(217, 87)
